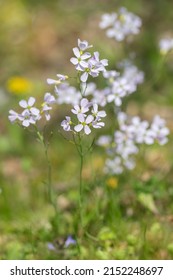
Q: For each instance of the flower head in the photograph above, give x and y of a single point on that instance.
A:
(84, 123)
(80, 59)
(82, 108)
(121, 24)
(83, 45)
(166, 45)
(66, 123)
(69, 241)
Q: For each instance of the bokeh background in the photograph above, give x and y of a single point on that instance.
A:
(36, 41)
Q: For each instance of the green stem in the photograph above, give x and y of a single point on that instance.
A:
(80, 178)
(49, 171)
(49, 175)
(80, 184)
(51, 196)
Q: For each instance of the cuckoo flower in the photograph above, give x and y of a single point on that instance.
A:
(66, 123)
(166, 45)
(121, 24)
(83, 45)
(95, 66)
(80, 59)
(82, 108)
(84, 123)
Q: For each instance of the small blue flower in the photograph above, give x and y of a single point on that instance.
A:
(69, 241)
(51, 247)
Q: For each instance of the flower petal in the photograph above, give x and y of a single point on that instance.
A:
(101, 114)
(87, 129)
(84, 102)
(74, 60)
(78, 127)
(31, 101)
(76, 52)
(23, 104)
(89, 119)
(81, 117)
(84, 77)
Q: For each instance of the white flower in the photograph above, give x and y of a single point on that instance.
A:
(107, 20)
(113, 166)
(96, 113)
(120, 88)
(83, 108)
(100, 96)
(120, 25)
(166, 45)
(95, 66)
(29, 105)
(97, 123)
(111, 75)
(83, 45)
(67, 94)
(133, 75)
(30, 114)
(84, 62)
(79, 59)
(27, 117)
(160, 130)
(104, 141)
(66, 123)
(84, 123)
(13, 116)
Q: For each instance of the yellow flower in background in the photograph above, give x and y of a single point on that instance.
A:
(19, 85)
(112, 182)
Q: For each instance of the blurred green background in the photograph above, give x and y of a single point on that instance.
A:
(36, 41)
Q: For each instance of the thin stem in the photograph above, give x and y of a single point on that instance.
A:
(49, 179)
(80, 150)
(80, 176)
(49, 183)
(49, 171)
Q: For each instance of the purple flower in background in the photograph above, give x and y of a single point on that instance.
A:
(51, 247)
(69, 241)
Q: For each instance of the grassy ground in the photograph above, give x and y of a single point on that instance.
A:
(124, 217)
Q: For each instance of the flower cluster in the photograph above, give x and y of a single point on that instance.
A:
(30, 115)
(119, 86)
(166, 45)
(67, 94)
(121, 24)
(126, 141)
(87, 116)
(85, 63)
